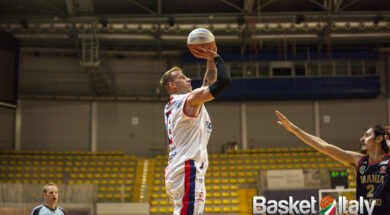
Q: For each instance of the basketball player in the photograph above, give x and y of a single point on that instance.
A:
(50, 194)
(373, 173)
(189, 127)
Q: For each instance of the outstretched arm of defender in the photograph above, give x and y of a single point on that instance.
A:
(344, 156)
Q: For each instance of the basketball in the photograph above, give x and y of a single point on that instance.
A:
(326, 201)
(201, 37)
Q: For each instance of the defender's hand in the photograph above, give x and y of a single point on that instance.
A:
(283, 121)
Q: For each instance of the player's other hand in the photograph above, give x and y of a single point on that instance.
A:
(283, 121)
(204, 53)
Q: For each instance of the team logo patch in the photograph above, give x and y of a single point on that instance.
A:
(361, 169)
(384, 162)
(383, 169)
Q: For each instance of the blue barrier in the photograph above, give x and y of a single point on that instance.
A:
(305, 88)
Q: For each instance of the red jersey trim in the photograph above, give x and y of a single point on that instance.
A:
(370, 163)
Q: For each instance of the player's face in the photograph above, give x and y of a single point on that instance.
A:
(51, 195)
(181, 82)
(368, 141)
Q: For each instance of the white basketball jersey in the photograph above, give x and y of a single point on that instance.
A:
(187, 136)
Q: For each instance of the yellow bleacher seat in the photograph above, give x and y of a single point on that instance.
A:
(163, 202)
(225, 187)
(233, 181)
(163, 210)
(216, 174)
(216, 181)
(226, 202)
(208, 209)
(216, 187)
(233, 187)
(241, 180)
(235, 201)
(226, 209)
(155, 196)
(235, 209)
(209, 202)
(217, 209)
(232, 174)
(233, 194)
(216, 194)
(164, 195)
(208, 194)
(224, 181)
(217, 201)
(170, 210)
(232, 168)
(155, 203)
(225, 194)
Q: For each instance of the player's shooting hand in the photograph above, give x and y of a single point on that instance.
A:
(204, 53)
(283, 121)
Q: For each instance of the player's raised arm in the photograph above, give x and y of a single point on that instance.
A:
(344, 156)
(211, 73)
(223, 81)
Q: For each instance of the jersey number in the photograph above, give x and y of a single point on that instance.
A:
(370, 188)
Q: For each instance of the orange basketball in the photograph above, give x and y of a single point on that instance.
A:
(326, 201)
(201, 37)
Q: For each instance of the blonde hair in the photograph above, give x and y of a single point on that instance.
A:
(167, 77)
(48, 185)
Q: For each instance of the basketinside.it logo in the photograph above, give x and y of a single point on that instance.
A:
(328, 206)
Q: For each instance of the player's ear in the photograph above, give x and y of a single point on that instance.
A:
(171, 85)
(379, 138)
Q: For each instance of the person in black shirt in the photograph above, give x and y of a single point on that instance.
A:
(372, 164)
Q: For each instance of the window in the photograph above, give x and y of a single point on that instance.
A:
(356, 67)
(236, 69)
(313, 68)
(342, 68)
(327, 68)
(300, 69)
(263, 69)
(370, 67)
(281, 71)
(250, 69)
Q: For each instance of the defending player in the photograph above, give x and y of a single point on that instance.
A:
(373, 173)
(189, 127)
